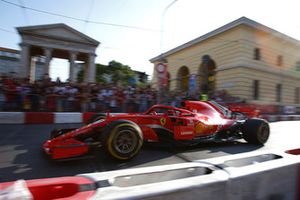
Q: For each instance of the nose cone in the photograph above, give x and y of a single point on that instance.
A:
(46, 147)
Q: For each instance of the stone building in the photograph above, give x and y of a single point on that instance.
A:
(247, 59)
(9, 61)
(57, 41)
(10, 64)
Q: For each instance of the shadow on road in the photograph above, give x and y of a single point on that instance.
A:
(22, 157)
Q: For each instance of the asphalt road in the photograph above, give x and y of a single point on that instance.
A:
(21, 156)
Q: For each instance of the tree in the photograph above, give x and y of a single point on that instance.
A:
(80, 76)
(120, 73)
(100, 70)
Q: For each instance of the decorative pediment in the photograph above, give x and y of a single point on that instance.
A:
(57, 32)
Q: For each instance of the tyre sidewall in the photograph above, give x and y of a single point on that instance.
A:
(252, 131)
(111, 132)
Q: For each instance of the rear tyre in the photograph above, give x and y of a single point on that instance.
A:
(256, 131)
(122, 139)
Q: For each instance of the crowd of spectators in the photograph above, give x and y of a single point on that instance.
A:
(46, 95)
(55, 96)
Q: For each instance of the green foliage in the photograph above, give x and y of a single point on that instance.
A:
(100, 70)
(118, 72)
(142, 85)
(80, 76)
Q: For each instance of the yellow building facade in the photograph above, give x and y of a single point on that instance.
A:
(249, 60)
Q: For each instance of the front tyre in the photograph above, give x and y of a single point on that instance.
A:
(122, 139)
(256, 131)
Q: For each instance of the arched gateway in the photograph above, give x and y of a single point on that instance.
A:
(57, 41)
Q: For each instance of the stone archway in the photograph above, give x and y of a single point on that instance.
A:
(183, 79)
(207, 75)
(57, 41)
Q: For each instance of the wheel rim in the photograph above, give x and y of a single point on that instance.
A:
(264, 134)
(125, 141)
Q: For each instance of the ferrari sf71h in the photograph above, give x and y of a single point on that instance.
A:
(123, 135)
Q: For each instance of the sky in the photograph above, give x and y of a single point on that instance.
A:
(134, 31)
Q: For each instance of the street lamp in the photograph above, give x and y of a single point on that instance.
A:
(162, 61)
(163, 24)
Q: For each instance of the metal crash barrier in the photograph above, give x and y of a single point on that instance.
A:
(178, 181)
(261, 175)
(270, 175)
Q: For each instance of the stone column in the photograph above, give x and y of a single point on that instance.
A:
(90, 73)
(48, 55)
(72, 59)
(25, 60)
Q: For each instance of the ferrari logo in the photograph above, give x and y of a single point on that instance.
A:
(163, 121)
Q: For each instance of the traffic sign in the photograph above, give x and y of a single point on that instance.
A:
(161, 68)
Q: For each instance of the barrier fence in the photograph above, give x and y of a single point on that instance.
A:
(248, 176)
(272, 174)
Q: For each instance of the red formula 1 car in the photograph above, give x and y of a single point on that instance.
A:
(122, 135)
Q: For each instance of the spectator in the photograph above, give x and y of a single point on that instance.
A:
(120, 99)
(84, 100)
(51, 100)
(34, 97)
(93, 98)
(10, 90)
(26, 104)
(42, 100)
(113, 104)
(46, 79)
(143, 102)
(2, 99)
(60, 97)
(130, 104)
(71, 93)
(100, 101)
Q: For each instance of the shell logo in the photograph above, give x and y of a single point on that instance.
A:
(200, 128)
(203, 128)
